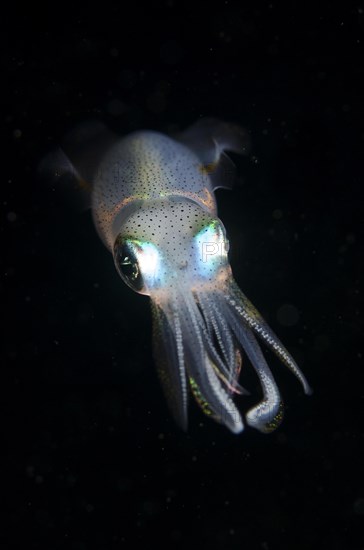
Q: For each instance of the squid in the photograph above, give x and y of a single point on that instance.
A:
(153, 204)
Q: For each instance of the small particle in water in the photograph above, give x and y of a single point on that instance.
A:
(322, 342)
(116, 107)
(11, 217)
(30, 471)
(288, 315)
(359, 506)
(277, 214)
(350, 238)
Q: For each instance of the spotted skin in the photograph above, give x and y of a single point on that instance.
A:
(154, 207)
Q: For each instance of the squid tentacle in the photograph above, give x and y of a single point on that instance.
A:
(218, 327)
(221, 369)
(268, 413)
(250, 315)
(204, 381)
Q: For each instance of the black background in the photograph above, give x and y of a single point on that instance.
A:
(94, 458)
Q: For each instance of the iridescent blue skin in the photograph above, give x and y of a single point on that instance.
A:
(154, 207)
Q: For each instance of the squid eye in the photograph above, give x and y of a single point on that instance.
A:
(127, 265)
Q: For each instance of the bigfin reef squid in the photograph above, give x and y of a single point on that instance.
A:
(154, 207)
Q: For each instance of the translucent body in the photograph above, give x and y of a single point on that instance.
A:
(154, 207)
(143, 167)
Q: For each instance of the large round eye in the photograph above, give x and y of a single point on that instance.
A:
(127, 264)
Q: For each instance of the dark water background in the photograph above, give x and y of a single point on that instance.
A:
(93, 456)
